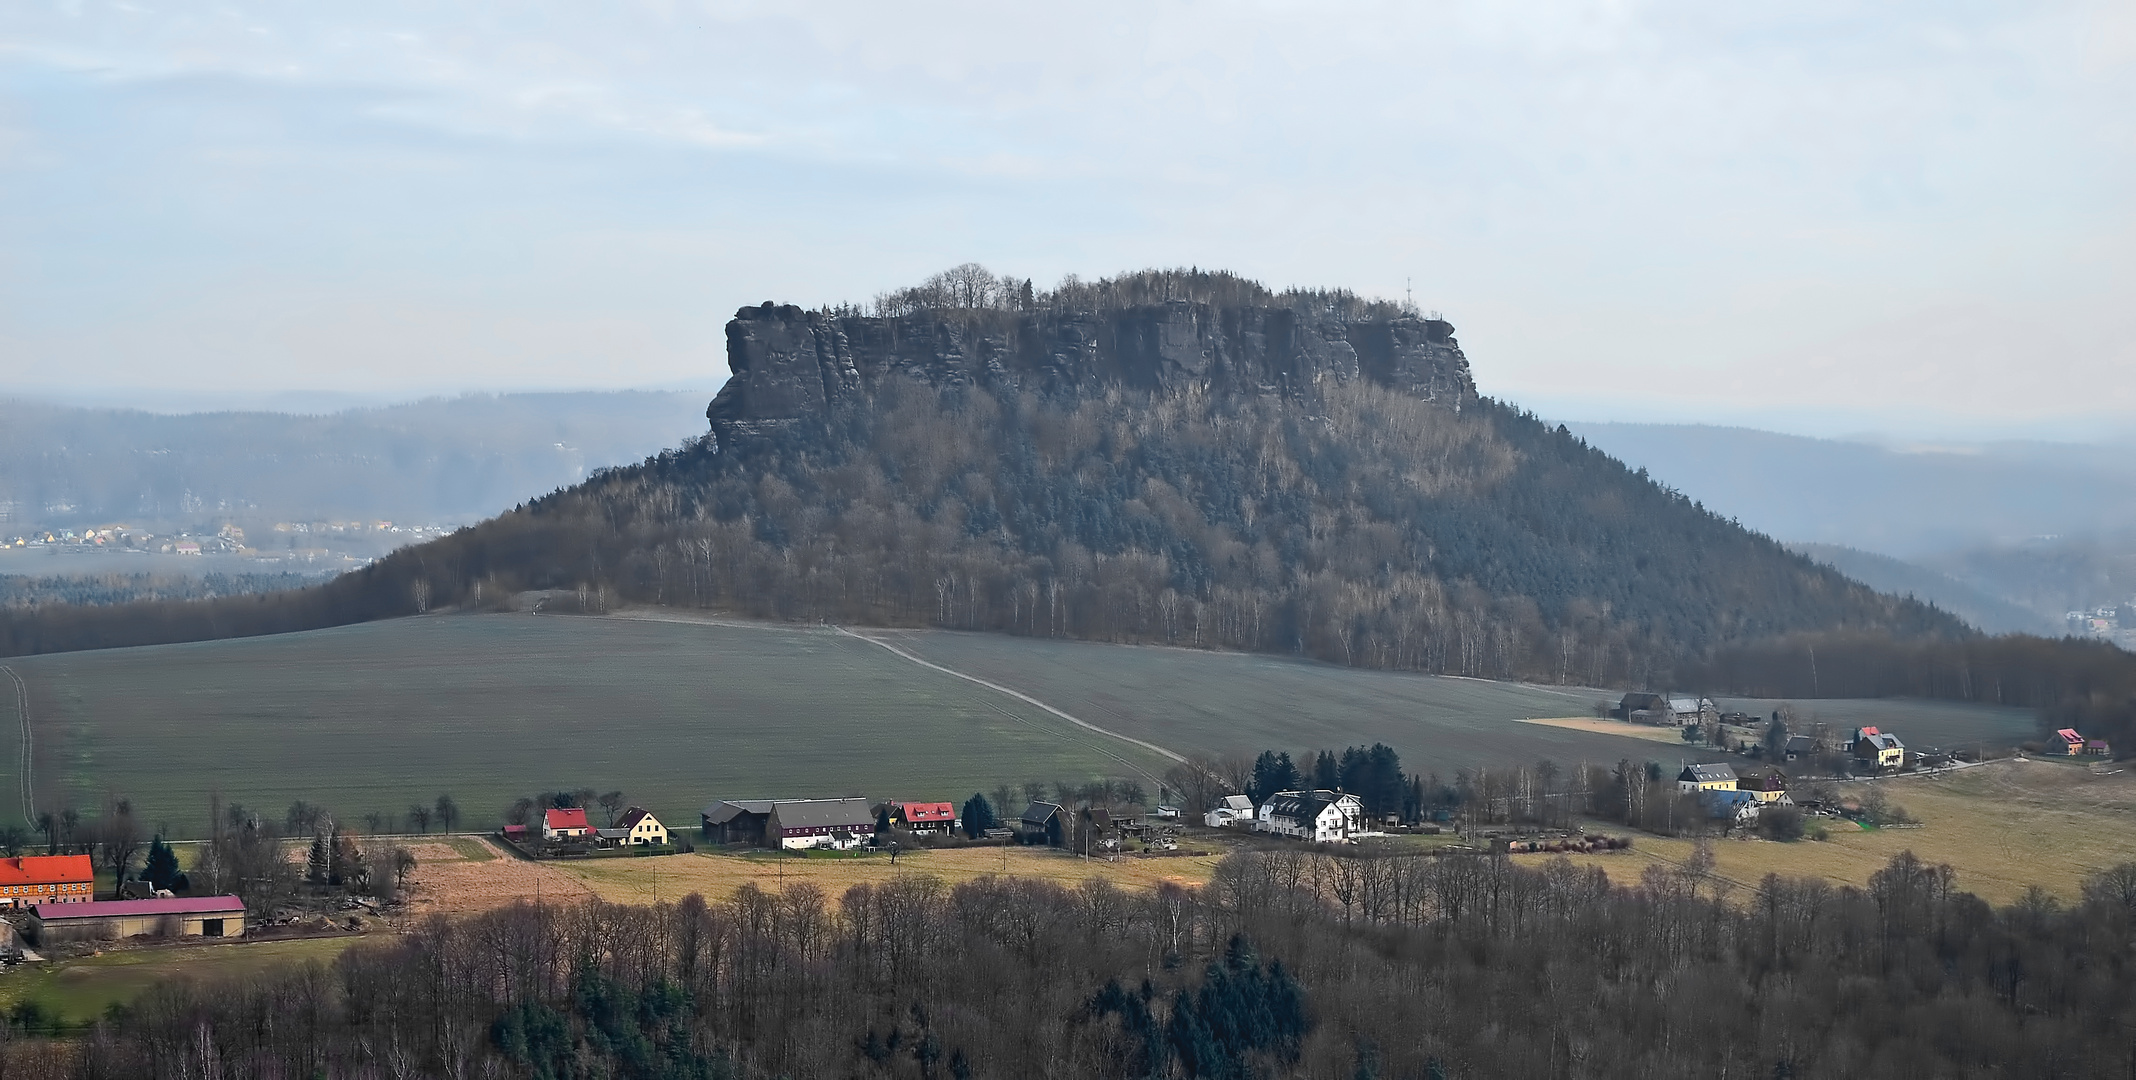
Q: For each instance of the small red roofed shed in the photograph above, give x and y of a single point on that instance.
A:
(560, 824)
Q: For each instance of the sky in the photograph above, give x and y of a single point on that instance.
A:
(1906, 218)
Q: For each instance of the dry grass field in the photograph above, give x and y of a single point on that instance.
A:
(447, 882)
(2002, 827)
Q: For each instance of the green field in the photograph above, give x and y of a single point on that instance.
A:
(678, 713)
(1237, 702)
(489, 707)
(78, 991)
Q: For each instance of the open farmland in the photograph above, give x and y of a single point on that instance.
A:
(78, 991)
(2003, 826)
(377, 716)
(677, 711)
(1214, 701)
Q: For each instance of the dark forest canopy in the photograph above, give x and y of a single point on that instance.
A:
(1181, 457)
(1366, 963)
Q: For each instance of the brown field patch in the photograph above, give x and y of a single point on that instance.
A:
(460, 885)
(2002, 827)
(446, 882)
(717, 876)
(1596, 726)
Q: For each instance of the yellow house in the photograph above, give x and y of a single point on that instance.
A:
(1710, 777)
(1873, 747)
(643, 827)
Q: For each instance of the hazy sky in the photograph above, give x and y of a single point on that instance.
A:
(1910, 217)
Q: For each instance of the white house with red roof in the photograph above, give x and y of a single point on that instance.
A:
(565, 824)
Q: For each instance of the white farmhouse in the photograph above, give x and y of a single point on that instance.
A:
(1327, 817)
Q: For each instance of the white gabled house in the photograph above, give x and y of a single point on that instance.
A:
(1231, 811)
(1322, 816)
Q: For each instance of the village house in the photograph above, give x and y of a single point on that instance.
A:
(737, 821)
(923, 817)
(639, 826)
(1705, 777)
(568, 824)
(184, 916)
(1043, 823)
(1643, 708)
(1801, 746)
(1229, 811)
(1732, 806)
(1873, 747)
(1688, 710)
(1323, 816)
(46, 879)
(794, 824)
(1768, 784)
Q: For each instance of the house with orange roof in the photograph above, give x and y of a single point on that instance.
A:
(46, 879)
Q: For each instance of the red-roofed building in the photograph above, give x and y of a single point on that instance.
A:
(923, 816)
(2069, 741)
(564, 824)
(47, 879)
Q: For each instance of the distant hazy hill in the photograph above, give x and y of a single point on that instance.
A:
(1900, 578)
(440, 460)
(1166, 457)
(1898, 502)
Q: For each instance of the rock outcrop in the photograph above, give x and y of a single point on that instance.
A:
(791, 365)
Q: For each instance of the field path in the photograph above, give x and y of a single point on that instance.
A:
(22, 709)
(1020, 696)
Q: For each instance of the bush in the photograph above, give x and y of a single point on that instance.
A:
(1781, 822)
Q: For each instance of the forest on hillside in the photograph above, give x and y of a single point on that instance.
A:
(1291, 962)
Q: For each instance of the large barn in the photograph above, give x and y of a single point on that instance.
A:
(184, 916)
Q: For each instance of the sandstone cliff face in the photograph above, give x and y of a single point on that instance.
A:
(791, 365)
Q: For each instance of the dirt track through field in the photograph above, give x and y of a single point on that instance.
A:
(1029, 700)
(22, 709)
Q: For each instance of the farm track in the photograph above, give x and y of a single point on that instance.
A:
(22, 709)
(1027, 699)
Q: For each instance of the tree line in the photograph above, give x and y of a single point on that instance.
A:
(1314, 962)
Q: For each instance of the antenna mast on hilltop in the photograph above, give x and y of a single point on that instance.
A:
(1409, 296)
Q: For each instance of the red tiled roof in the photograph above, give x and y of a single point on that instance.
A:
(566, 819)
(2069, 735)
(929, 811)
(46, 870)
(179, 905)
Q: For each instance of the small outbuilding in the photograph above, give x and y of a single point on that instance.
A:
(1229, 811)
(1043, 823)
(183, 916)
(737, 821)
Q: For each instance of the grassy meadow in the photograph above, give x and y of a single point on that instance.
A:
(677, 712)
(78, 991)
(2003, 827)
